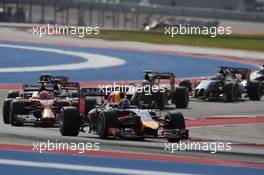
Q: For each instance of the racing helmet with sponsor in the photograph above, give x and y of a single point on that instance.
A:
(219, 76)
(44, 95)
(124, 102)
(42, 86)
(113, 98)
(238, 77)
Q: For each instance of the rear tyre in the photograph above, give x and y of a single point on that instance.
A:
(6, 109)
(13, 94)
(255, 90)
(181, 97)
(16, 108)
(174, 120)
(105, 121)
(186, 83)
(69, 121)
(89, 105)
(229, 92)
(160, 100)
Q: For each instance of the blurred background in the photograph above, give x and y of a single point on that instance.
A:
(134, 14)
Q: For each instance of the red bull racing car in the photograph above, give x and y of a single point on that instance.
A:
(109, 119)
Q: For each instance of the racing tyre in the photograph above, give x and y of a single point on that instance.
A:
(254, 90)
(181, 97)
(6, 108)
(105, 121)
(160, 100)
(13, 94)
(186, 83)
(69, 121)
(89, 105)
(16, 108)
(174, 120)
(229, 92)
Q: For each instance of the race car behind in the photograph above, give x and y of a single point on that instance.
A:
(31, 106)
(230, 84)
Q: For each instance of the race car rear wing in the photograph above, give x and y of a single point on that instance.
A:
(153, 76)
(70, 85)
(92, 91)
(48, 78)
(244, 72)
(35, 87)
(102, 91)
(164, 75)
(59, 79)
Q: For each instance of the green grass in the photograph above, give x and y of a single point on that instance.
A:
(245, 42)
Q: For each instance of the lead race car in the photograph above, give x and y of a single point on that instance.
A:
(31, 106)
(111, 120)
(230, 84)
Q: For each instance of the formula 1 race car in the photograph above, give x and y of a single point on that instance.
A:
(111, 120)
(63, 88)
(258, 76)
(229, 84)
(31, 106)
(162, 95)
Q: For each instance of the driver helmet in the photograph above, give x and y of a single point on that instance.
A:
(43, 95)
(113, 98)
(124, 102)
(238, 77)
(219, 76)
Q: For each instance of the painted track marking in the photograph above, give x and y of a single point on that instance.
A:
(92, 60)
(87, 168)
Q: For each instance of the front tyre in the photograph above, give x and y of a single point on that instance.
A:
(186, 83)
(6, 109)
(229, 92)
(69, 121)
(105, 121)
(174, 120)
(254, 90)
(181, 97)
(16, 108)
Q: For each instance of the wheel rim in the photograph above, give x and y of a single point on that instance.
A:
(61, 122)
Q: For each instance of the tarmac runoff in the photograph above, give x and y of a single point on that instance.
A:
(244, 134)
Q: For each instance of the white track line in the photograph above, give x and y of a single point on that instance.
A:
(92, 60)
(86, 168)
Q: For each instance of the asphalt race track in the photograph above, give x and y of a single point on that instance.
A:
(27, 135)
(240, 123)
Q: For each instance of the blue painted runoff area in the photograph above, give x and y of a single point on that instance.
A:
(135, 63)
(122, 164)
